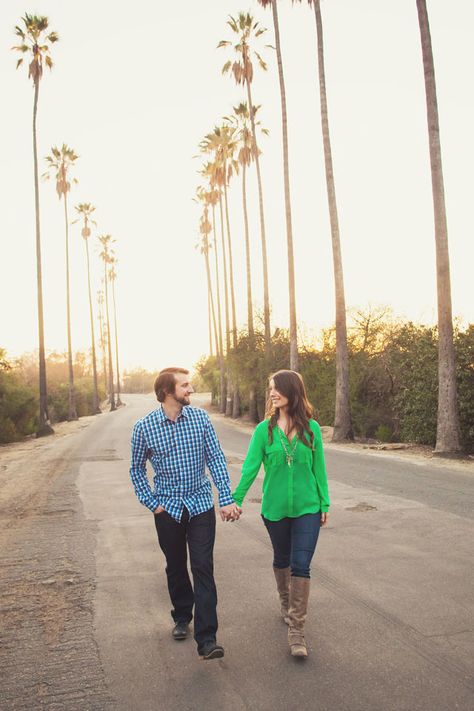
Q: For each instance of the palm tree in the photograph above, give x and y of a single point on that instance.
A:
(205, 230)
(85, 210)
(246, 153)
(448, 431)
(209, 326)
(59, 163)
(204, 197)
(222, 142)
(248, 31)
(342, 417)
(35, 41)
(286, 174)
(213, 197)
(213, 172)
(112, 279)
(103, 342)
(106, 255)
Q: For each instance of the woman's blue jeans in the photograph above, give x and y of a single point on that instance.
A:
(294, 542)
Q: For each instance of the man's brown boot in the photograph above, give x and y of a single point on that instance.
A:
(298, 605)
(282, 577)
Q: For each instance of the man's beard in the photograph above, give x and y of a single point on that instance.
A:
(183, 400)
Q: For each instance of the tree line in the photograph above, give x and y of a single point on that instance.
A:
(233, 148)
(19, 396)
(35, 46)
(393, 383)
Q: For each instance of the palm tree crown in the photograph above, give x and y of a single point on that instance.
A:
(222, 142)
(247, 30)
(247, 147)
(60, 161)
(85, 210)
(35, 43)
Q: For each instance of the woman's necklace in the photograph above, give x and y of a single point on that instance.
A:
(289, 451)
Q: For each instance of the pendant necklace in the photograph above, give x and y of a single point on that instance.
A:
(289, 451)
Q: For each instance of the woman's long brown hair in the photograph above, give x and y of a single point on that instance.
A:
(290, 384)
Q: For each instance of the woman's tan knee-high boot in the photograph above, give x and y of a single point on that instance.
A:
(282, 577)
(298, 606)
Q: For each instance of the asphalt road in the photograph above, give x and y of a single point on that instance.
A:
(390, 623)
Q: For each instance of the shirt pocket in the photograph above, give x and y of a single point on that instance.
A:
(274, 454)
(304, 455)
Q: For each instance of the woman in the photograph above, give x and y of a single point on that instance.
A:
(295, 498)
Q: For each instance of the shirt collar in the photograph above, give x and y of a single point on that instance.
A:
(162, 416)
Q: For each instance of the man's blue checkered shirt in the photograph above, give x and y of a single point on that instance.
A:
(179, 452)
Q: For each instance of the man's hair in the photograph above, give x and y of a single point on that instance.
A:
(165, 383)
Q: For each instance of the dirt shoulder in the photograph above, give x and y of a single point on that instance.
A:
(48, 651)
(29, 468)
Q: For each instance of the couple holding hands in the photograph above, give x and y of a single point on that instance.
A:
(180, 441)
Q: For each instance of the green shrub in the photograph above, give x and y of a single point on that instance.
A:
(383, 433)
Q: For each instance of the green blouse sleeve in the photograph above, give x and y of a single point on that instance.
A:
(319, 468)
(252, 463)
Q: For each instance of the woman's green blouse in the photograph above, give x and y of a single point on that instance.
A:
(293, 490)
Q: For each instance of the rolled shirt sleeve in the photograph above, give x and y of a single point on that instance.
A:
(216, 463)
(319, 469)
(138, 470)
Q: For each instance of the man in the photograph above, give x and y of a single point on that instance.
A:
(180, 441)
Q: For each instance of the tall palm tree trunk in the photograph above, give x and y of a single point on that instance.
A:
(247, 255)
(286, 173)
(252, 398)
(118, 401)
(44, 427)
(218, 297)
(266, 298)
(231, 269)
(103, 348)
(342, 417)
(109, 344)
(226, 284)
(233, 403)
(222, 382)
(95, 391)
(448, 432)
(226, 300)
(209, 324)
(72, 414)
(211, 297)
(227, 405)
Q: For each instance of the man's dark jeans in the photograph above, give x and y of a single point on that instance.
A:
(294, 542)
(199, 534)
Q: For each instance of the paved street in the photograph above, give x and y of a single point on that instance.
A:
(390, 625)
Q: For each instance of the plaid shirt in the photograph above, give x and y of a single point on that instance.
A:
(178, 451)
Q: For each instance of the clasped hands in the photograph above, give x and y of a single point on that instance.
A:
(231, 512)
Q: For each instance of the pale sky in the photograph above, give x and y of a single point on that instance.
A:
(136, 86)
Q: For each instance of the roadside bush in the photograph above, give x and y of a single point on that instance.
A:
(465, 377)
(18, 404)
(383, 433)
(393, 376)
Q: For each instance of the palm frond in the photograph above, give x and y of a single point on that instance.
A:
(262, 63)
